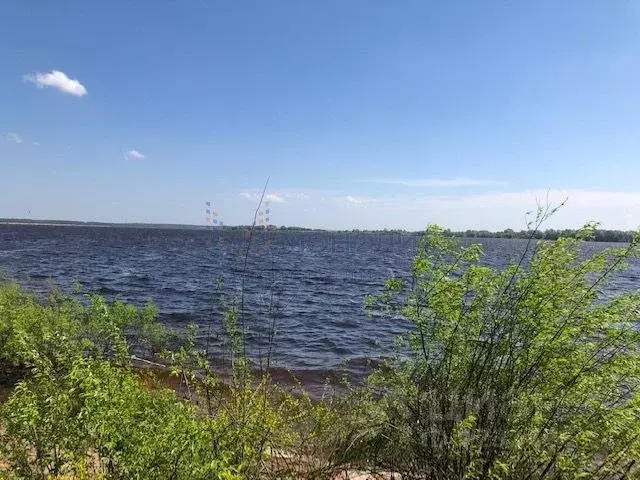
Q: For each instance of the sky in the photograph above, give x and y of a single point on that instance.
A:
(361, 114)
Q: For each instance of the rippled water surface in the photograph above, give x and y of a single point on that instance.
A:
(320, 281)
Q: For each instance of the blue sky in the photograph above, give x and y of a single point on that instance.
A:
(364, 114)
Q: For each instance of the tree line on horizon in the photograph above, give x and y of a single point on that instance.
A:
(623, 236)
(549, 234)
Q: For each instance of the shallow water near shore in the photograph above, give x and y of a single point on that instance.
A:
(319, 283)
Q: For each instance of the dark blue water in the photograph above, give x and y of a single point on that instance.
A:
(314, 282)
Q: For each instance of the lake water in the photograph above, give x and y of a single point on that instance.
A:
(320, 281)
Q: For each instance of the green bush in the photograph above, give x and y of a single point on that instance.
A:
(98, 421)
(525, 372)
(80, 410)
(34, 334)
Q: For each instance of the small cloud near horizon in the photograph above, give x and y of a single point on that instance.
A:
(296, 195)
(352, 200)
(14, 138)
(59, 80)
(273, 198)
(437, 182)
(134, 155)
(269, 197)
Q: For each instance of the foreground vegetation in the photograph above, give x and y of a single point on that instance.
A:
(522, 373)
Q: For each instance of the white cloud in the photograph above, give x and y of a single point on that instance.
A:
(269, 197)
(577, 198)
(458, 210)
(499, 210)
(14, 138)
(59, 80)
(491, 210)
(296, 196)
(134, 155)
(436, 182)
(273, 198)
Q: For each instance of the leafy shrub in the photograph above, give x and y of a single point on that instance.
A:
(80, 410)
(33, 334)
(97, 421)
(525, 372)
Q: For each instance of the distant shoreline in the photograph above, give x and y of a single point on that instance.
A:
(75, 223)
(178, 226)
(615, 236)
(45, 224)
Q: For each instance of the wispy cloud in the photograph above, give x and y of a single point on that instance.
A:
(458, 209)
(269, 197)
(499, 210)
(576, 198)
(273, 198)
(352, 200)
(134, 155)
(436, 182)
(59, 80)
(296, 195)
(14, 138)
